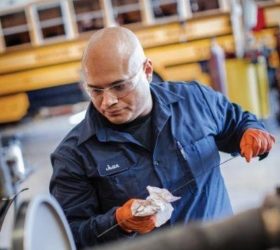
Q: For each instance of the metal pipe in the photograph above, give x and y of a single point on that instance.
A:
(255, 229)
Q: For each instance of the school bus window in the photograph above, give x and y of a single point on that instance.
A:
(57, 30)
(15, 29)
(164, 8)
(51, 21)
(89, 15)
(126, 11)
(13, 20)
(204, 5)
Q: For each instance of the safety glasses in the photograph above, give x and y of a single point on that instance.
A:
(120, 89)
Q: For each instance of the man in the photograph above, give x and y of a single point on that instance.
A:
(136, 134)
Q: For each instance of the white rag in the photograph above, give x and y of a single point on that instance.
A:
(158, 202)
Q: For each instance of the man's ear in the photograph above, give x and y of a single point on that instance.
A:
(149, 69)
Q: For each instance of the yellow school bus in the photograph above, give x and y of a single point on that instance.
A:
(41, 43)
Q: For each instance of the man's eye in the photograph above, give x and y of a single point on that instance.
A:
(120, 87)
(96, 91)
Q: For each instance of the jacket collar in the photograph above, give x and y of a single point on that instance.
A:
(93, 125)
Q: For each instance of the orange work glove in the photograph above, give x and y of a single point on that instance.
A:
(255, 142)
(130, 223)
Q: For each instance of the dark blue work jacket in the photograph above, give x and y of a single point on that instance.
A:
(96, 169)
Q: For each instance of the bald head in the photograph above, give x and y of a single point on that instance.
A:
(118, 73)
(112, 49)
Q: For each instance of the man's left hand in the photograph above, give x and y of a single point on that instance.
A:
(255, 142)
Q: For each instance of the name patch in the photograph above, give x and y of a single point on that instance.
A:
(112, 167)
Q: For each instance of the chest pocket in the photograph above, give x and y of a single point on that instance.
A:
(203, 157)
(117, 182)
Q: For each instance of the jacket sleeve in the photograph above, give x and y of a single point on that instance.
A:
(230, 119)
(78, 197)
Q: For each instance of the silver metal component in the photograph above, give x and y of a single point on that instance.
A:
(13, 157)
(6, 188)
(254, 229)
(41, 224)
(12, 172)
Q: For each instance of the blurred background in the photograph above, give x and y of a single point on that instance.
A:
(232, 46)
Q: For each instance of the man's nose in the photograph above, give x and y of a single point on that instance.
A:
(108, 99)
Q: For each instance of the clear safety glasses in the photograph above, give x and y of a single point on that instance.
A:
(120, 89)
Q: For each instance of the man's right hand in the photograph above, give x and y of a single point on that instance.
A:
(130, 223)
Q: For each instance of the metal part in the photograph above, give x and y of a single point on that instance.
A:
(13, 157)
(41, 224)
(6, 189)
(12, 172)
(254, 229)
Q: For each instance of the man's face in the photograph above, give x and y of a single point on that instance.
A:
(120, 95)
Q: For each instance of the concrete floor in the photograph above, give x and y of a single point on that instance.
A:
(247, 183)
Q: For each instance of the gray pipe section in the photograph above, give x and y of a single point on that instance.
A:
(6, 188)
(246, 230)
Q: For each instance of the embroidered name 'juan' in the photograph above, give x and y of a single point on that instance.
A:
(112, 167)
